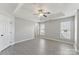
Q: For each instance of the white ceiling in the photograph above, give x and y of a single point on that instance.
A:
(27, 10)
(7, 7)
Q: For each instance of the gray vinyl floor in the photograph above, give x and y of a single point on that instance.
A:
(40, 47)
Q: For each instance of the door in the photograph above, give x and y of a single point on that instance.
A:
(1, 35)
(5, 29)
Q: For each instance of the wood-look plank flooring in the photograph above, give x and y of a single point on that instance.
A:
(40, 47)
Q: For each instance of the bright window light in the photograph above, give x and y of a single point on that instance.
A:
(42, 29)
(65, 30)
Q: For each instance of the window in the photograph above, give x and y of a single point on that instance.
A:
(65, 30)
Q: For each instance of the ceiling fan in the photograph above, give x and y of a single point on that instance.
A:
(42, 12)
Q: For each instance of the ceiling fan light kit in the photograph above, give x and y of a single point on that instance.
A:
(42, 12)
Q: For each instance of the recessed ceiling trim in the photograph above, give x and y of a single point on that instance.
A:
(18, 7)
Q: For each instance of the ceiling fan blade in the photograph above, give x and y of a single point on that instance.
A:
(45, 15)
(40, 10)
(48, 12)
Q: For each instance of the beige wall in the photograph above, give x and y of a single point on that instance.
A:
(24, 29)
(52, 29)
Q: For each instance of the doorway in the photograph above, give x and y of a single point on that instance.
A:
(5, 32)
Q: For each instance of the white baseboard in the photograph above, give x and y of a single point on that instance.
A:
(15, 43)
(5, 47)
(60, 41)
(21, 41)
